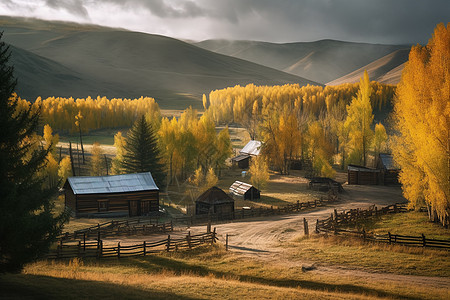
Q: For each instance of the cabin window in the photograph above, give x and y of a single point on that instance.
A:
(103, 205)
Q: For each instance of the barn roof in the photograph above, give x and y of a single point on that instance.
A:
(239, 188)
(214, 195)
(240, 157)
(362, 169)
(252, 148)
(388, 162)
(112, 184)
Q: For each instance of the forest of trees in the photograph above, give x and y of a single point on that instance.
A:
(309, 123)
(422, 118)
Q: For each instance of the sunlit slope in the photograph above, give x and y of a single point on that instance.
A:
(121, 63)
(387, 69)
(321, 61)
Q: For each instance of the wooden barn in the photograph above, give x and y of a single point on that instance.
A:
(128, 194)
(214, 201)
(252, 148)
(388, 170)
(362, 175)
(245, 190)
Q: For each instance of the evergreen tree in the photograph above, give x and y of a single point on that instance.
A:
(141, 151)
(27, 225)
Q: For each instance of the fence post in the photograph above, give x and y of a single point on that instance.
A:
(208, 226)
(364, 234)
(390, 237)
(171, 225)
(188, 239)
(226, 242)
(79, 248)
(118, 250)
(84, 241)
(168, 243)
(335, 214)
(317, 226)
(145, 248)
(305, 226)
(213, 240)
(424, 241)
(298, 205)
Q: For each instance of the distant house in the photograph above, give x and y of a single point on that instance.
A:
(128, 194)
(214, 201)
(362, 175)
(389, 171)
(252, 148)
(245, 190)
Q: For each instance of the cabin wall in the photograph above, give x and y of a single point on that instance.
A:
(70, 199)
(364, 178)
(89, 203)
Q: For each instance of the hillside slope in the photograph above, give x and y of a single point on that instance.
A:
(387, 69)
(121, 63)
(321, 61)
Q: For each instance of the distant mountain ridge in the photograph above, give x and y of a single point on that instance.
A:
(68, 59)
(387, 69)
(322, 61)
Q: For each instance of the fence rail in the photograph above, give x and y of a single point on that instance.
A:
(255, 212)
(118, 228)
(333, 223)
(97, 250)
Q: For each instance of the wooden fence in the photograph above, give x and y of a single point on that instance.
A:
(254, 212)
(336, 220)
(118, 228)
(96, 248)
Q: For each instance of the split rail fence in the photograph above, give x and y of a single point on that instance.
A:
(254, 212)
(118, 228)
(96, 249)
(333, 223)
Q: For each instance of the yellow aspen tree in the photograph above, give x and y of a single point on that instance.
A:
(422, 117)
(65, 169)
(359, 120)
(119, 143)
(379, 139)
(97, 165)
(50, 140)
(259, 171)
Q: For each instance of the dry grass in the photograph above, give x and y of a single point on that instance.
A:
(353, 253)
(203, 273)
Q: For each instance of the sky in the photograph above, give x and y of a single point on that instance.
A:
(279, 21)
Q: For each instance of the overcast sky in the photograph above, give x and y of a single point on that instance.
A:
(374, 21)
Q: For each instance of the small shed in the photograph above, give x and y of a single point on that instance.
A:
(214, 201)
(245, 190)
(362, 175)
(128, 194)
(253, 148)
(389, 171)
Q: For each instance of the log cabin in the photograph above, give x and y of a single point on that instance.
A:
(214, 201)
(244, 190)
(118, 195)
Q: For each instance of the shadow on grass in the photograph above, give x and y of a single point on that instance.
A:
(158, 263)
(23, 286)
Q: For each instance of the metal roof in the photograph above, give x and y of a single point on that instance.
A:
(388, 162)
(240, 157)
(112, 184)
(362, 169)
(239, 188)
(252, 148)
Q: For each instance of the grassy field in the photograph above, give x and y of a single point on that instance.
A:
(355, 253)
(202, 273)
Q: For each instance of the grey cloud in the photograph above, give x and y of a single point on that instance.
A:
(164, 9)
(75, 7)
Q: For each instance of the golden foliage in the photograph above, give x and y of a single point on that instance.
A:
(422, 117)
(259, 171)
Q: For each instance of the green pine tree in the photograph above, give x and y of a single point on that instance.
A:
(27, 225)
(142, 153)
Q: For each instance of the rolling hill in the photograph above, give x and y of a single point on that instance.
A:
(322, 61)
(92, 60)
(387, 69)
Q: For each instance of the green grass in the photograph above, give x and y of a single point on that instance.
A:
(202, 273)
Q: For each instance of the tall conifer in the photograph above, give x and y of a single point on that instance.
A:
(27, 225)
(141, 151)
